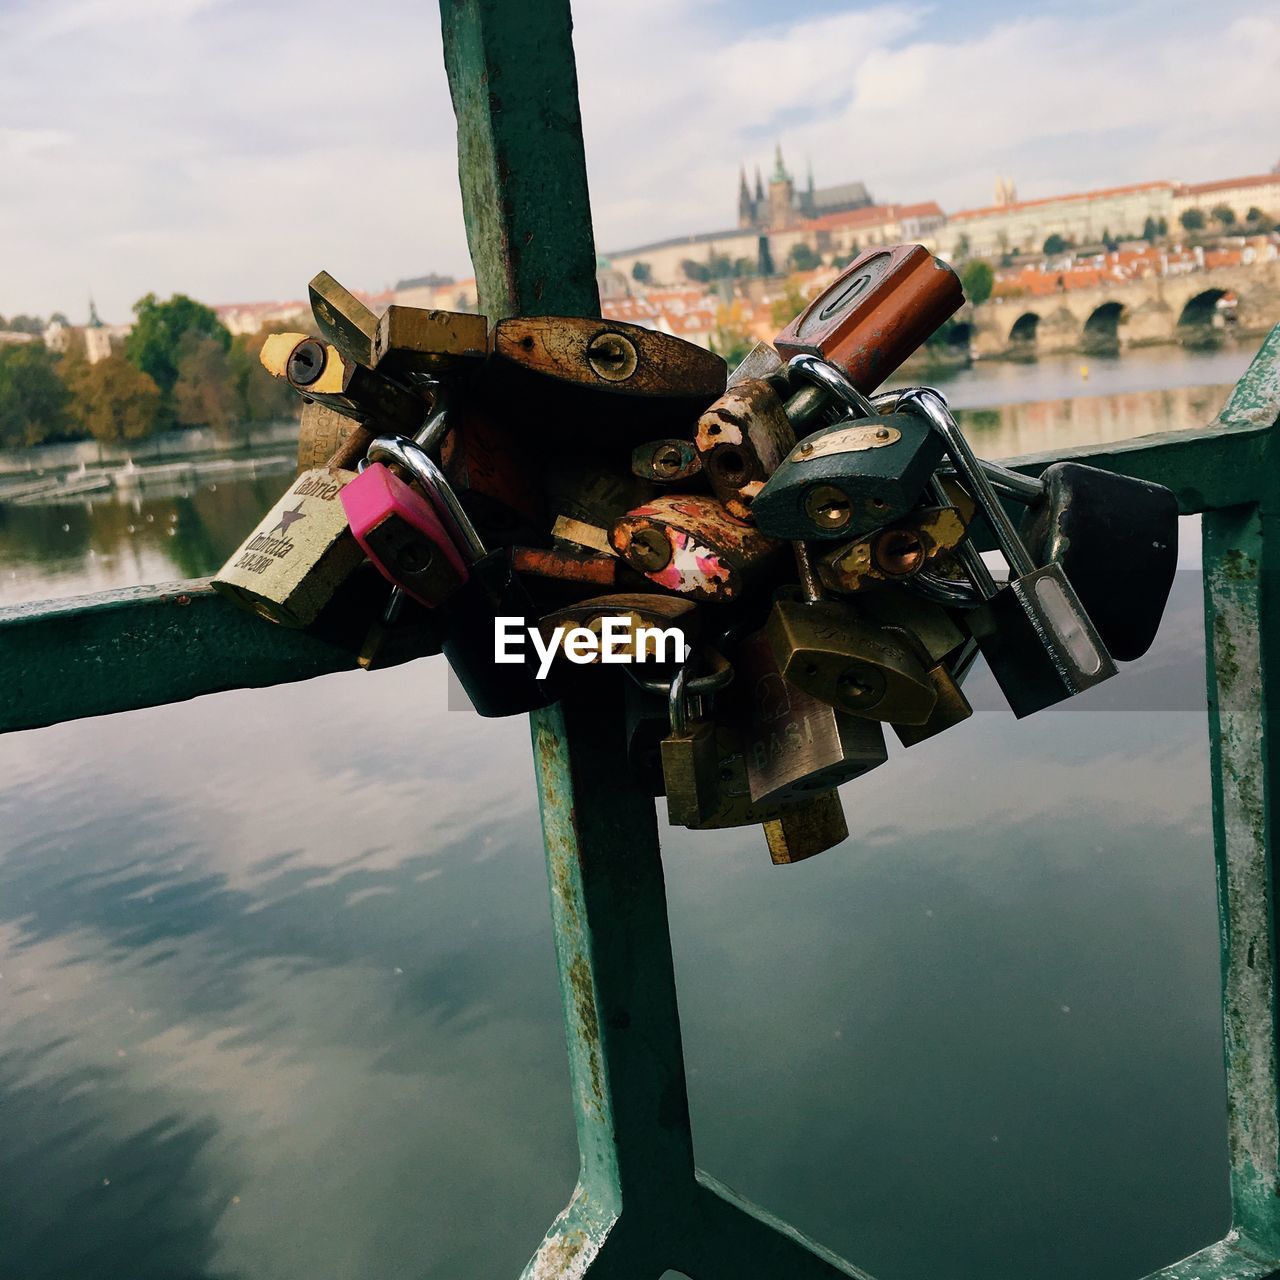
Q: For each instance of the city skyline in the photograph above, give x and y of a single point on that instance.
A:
(176, 146)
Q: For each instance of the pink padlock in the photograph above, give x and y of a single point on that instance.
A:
(401, 533)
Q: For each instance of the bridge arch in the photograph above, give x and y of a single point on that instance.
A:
(1102, 328)
(1200, 310)
(1023, 332)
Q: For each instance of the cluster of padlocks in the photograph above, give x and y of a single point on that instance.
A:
(815, 546)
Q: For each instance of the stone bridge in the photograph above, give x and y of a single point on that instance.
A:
(1158, 309)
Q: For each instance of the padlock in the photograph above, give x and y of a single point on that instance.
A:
(567, 532)
(741, 439)
(665, 461)
(1037, 638)
(608, 356)
(343, 320)
(321, 432)
(794, 830)
(690, 763)
(850, 479)
(293, 563)
(875, 313)
(762, 361)
(1116, 539)
(794, 744)
(415, 344)
(679, 620)
(692, 546)
(402, 534)
(318, 371)
(893, 554)
(806, 828)
(853, 663)
(942, 648)
(491, 591)
(565, 564)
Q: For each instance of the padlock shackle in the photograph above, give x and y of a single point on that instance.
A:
(826, 375)
(417, 462)
(933, 406)
(1013, 484)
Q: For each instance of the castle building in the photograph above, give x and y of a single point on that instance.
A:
(773, 218)
(783, 206)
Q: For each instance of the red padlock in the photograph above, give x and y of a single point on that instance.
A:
(875, 313)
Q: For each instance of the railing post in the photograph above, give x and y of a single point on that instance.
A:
(1242, 622)
(638, 1207)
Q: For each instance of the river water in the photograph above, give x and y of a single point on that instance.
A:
(281, 1004)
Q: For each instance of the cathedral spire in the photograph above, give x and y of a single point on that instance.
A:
(780, 173)
(94, 321)
(759, 185)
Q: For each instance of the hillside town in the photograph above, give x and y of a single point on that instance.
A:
(1097, 270)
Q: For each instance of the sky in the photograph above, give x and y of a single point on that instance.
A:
(230, 149)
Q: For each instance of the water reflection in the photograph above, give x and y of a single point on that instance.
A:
(281, 1001)
(288, 955)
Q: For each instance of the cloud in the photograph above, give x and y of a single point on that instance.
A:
(231, 149)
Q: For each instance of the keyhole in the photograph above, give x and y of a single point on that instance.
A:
(306, 363)
(828, 507)
(612, 357)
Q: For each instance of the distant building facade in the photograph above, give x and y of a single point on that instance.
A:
(1022, 226)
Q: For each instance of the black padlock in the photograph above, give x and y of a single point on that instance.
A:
(1116, 539)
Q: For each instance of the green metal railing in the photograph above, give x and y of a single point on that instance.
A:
(641, 1206)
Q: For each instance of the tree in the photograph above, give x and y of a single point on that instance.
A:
(259, 396)
(786, 308)
(1191, 219)
(960, 250)
(1223, 215)
(205, 393)
(1162, 226)
(1258, 220)
(719, 267)
(33, 399)
(1150, 229)
(158, 330)
(1055, 244)
(803, 258)
(743, 267)
(641, 272)
(113, 399)
(978, 280)
(26, 324)
(1109, 242)
(698, 271)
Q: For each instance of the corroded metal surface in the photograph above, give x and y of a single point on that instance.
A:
(143, 647)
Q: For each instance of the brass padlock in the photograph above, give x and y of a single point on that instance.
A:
(690, 763)
(416, 343)
(794, 830)
(609, 356)
(692, 546)
(291, 566)
(741, 439)
(638, 619)
(794, 744)
(343, 320)
(942, 648)
(898, 551)
(320, 372)
(824, 648)
(329, 438)
(833, 653)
